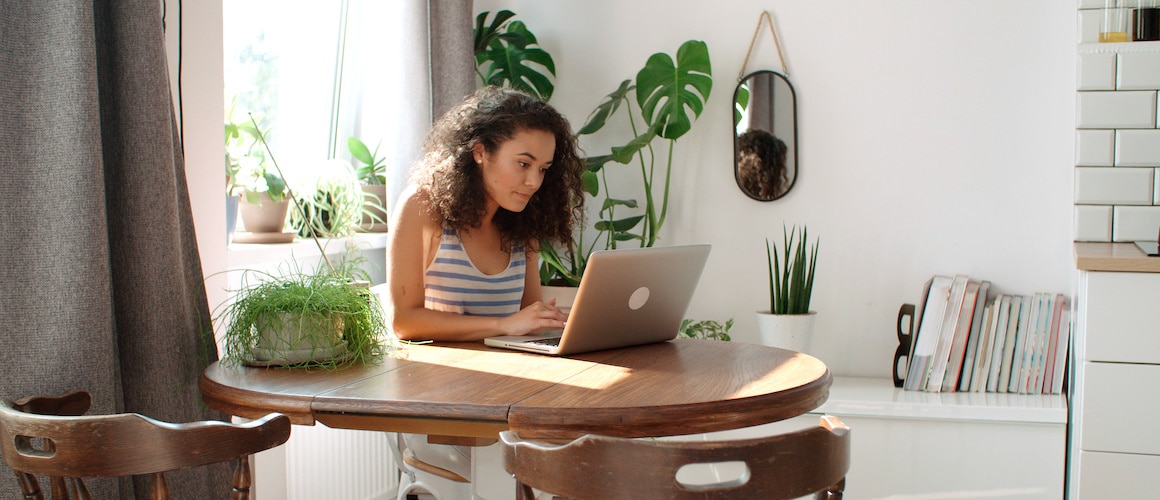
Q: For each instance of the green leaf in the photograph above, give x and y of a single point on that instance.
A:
(483, 36)
(606, 109)
(613, 202)
(624, 154)
(741, 103)
(619, 225)
(664, 88)
(595, 163)
(589, 183)
(512, 58)
(360, 151)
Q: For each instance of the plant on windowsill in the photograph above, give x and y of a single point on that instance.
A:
(789, 322)
(372, 176)
(660, 106)
(330, 203)
(261, 192)
(327, 317)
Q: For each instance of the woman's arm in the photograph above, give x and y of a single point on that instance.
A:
(411, 244)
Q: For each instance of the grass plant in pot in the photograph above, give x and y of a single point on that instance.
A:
(789, 322)
(327, 317)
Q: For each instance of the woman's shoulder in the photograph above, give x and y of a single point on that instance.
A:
(415, 204)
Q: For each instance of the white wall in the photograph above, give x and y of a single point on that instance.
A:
(934, 137)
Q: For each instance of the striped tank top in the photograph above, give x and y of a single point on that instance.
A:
(453, 284)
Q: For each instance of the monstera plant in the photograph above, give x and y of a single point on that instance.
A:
(660, 107)
(507, 55)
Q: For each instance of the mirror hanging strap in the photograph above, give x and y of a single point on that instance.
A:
(773, 32)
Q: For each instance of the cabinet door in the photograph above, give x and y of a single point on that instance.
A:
(1121, 402)
(1118, 475)
(1123, 317)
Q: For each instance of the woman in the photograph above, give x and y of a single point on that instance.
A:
(501, 174)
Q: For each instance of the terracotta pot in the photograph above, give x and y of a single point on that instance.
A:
(265, 217)
(786, 331)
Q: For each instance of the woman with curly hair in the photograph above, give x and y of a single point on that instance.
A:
(501, 173)
(761, 164)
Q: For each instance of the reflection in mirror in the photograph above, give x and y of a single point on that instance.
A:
(765, 135)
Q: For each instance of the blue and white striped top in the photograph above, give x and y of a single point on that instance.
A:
(453, 284)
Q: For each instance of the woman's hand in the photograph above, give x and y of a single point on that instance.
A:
(536, 318)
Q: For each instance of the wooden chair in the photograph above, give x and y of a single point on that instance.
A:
(49, 436)
(791, 465)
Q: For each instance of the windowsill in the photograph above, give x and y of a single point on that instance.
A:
(242, 255)
(1118, 48)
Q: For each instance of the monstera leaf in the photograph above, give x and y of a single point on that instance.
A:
(507, 54)
(606, 109)
(665, 89)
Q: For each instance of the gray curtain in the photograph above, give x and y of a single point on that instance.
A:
(100, 275)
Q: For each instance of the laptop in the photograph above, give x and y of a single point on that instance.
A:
(627, 297)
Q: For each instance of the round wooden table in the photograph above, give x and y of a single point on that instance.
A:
(468, 391)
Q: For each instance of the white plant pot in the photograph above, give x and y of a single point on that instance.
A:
(564, 295)
(786, 331)
(297, 338)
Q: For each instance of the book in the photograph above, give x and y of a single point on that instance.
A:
(950, 381)
(971, 355)
(1052, 346)
(1020, 344)
(1062, 349)
(1039, 363)
(978, 380)
(1008, 353)
(933, 310)
(1024, 363)
(998, 343)
(938, 362)
(917, 322)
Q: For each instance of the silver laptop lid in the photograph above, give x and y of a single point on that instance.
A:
(633, 296)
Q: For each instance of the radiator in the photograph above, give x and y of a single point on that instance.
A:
(338, 464)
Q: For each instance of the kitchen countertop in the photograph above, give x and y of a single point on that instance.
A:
(1122, 257)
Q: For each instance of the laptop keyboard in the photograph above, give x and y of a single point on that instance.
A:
(554, 341)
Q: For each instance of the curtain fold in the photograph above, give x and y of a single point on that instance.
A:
(101, 279)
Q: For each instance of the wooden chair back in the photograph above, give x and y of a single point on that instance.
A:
(50, 436)
(791, 465)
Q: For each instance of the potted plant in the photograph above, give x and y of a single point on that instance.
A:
(325, 317)
(660, 106)
(261, 191)
(705, 329)
(372, 176)
(330, 204)
(789, 322)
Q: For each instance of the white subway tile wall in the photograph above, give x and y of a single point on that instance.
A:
(1117, 146)
(1095, 148)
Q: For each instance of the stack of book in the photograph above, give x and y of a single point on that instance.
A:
(970, 341)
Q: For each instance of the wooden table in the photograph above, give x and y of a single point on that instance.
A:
(468, 390)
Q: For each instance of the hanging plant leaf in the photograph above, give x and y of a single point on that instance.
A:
(664, 88)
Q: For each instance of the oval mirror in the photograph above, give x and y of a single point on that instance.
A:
(765, 135)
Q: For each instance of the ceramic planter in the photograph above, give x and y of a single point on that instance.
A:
(264, 217)
(786, 331)
(564, 295)
(297, 338)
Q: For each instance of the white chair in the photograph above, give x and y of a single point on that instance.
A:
(417, 477)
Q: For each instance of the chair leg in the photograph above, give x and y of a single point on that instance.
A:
(524, 492)
(29, 486)
(160, 489)
(81, 490)
(834, 492)
(243, 479)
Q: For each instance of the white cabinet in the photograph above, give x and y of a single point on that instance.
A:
(1115, 448)
(913, 444)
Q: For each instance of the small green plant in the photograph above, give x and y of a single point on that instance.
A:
(374, 167)
(333, 307)
(332, 205)
(247, 168)
(706, 329)
(791, 273)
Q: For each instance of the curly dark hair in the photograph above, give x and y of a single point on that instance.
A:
(761, 163)
(453, 184)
